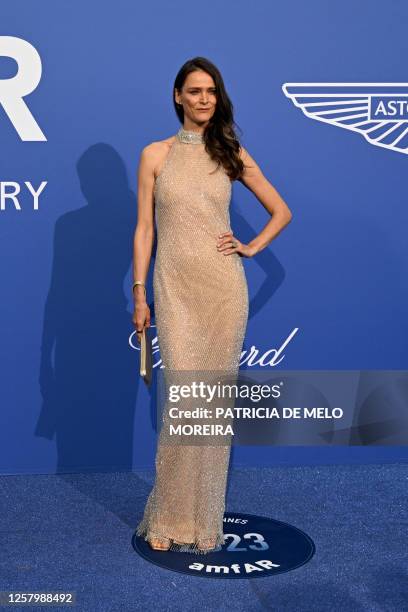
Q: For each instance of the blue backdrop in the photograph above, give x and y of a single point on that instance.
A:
(333, 286)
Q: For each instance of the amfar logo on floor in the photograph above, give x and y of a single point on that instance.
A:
(378, 111)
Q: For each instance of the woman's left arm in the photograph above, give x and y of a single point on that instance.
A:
(254, 179)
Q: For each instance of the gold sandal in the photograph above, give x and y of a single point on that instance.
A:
(207, 544)
(159, 543)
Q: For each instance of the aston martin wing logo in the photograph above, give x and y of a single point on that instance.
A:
(378, 111)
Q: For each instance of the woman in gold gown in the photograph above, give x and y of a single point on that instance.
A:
(199, 288)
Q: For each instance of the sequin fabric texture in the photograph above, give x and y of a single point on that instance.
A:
(201, 310)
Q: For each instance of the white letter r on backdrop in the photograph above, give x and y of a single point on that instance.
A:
(23, 83)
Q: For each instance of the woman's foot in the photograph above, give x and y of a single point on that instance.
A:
(159, 543)
(207, 544)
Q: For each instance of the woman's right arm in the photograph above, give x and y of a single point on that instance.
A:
(144, 235)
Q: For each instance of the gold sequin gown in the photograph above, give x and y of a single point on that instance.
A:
(201, 310)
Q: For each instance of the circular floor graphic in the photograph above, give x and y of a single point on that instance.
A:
(254, 547)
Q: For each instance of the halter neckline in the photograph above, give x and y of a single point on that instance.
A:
(190, 136)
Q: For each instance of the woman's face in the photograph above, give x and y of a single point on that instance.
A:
(198, 96)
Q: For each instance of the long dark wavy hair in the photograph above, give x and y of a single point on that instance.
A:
(221, 142)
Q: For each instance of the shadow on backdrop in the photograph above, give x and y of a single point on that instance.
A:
(88, 374)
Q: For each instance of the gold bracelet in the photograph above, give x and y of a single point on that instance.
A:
(139, 283)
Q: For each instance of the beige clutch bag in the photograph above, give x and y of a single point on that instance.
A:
(146, 356)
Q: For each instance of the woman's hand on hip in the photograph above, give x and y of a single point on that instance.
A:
(227, 243)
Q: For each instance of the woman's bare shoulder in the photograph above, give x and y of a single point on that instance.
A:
(168, 140)
(155, 153)
(158, 145)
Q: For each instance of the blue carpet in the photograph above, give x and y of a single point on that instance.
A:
(74, 531)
